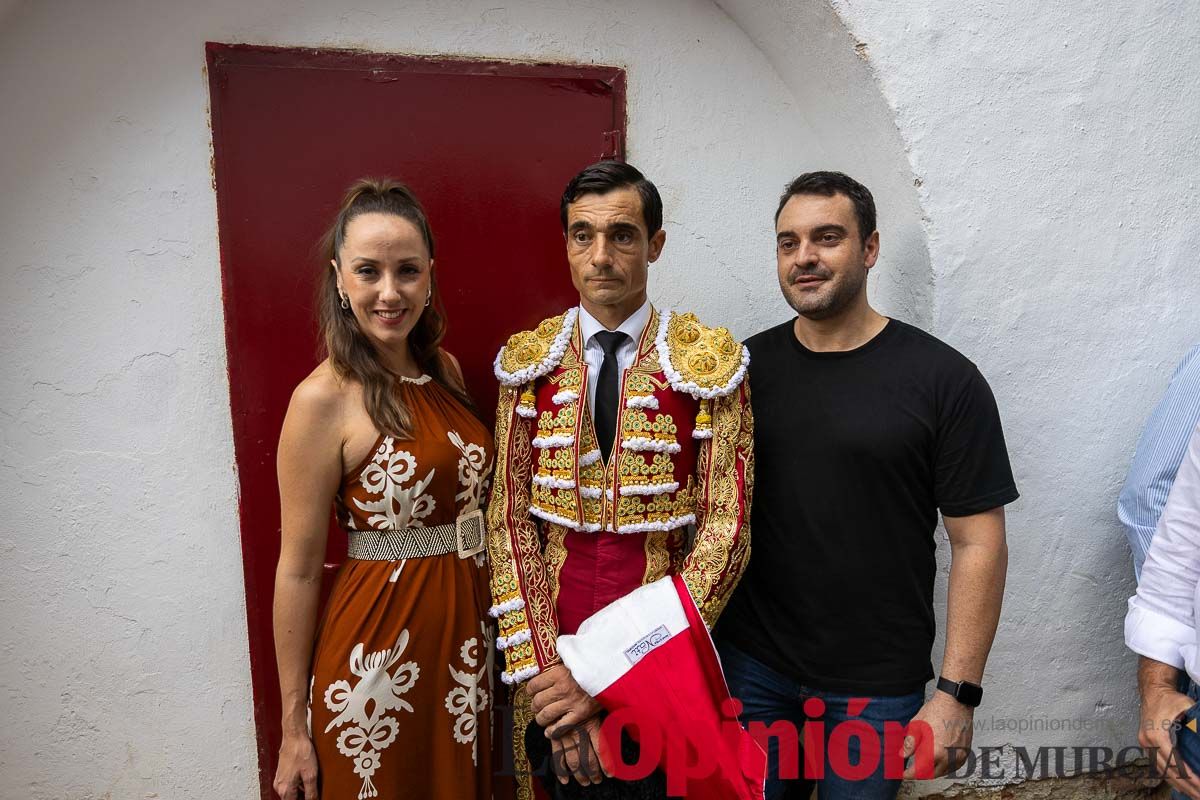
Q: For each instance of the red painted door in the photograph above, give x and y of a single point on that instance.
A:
(487, 146)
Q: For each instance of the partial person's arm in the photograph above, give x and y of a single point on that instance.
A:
(978, 567)
(1162, 706)
(520, 588)
(1161, 617)
(1156, 460)
(309, 466)
(725, 478)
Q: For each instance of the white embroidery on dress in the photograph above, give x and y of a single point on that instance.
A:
(365, 705)
(474, 475)
(396, 508)
(467, 701)
(472, 468)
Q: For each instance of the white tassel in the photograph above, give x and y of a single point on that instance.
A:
(641, 401)
(520, 637)
(552, 482)
(650, 488)
(564, 397)
(641, 443)
(520, 675)
(550, 516)
(546, 442)
(497, 611)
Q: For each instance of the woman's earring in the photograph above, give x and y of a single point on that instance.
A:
(428, 296)
(345, 303)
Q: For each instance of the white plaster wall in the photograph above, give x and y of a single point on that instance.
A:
(1057, 150)
(1054, 147)
(125, 668)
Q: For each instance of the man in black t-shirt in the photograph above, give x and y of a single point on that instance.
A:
(865, 428)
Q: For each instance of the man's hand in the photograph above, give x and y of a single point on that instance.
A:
(950, 724)
(558, 703)
(1162, 706)
(576, 753)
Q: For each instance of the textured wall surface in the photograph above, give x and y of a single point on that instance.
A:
(1057, 150)
(1036, 171)
(125, 666)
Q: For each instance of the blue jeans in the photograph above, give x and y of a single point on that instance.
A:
(768, 697)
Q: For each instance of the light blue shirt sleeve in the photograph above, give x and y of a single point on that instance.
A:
(1159, 452)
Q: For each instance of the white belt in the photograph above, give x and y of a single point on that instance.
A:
(464, 536)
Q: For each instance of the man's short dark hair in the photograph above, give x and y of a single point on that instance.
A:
(606, 176)
(828, 184)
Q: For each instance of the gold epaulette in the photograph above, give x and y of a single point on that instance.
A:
(701, 361)
(529, 355)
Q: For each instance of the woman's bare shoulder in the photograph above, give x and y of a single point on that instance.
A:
(455, 369)
(323, 391)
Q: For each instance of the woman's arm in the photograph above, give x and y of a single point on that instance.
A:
(310, 469)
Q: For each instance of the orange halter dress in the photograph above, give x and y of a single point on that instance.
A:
(401, 695)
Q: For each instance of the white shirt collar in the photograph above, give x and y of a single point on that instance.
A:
(632, 327)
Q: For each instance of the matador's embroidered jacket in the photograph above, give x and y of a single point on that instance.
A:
(568, 533)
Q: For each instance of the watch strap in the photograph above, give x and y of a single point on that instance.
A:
(965, 692)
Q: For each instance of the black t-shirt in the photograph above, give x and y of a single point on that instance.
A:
(855, 452)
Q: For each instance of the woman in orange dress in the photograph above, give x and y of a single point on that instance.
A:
(389, 694)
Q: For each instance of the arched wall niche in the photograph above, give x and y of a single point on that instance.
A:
(833, 85)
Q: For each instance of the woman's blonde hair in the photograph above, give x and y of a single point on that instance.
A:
(350, 352)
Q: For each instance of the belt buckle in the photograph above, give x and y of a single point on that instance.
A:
(468, 532)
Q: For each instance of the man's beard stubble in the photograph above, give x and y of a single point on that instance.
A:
(835, 297)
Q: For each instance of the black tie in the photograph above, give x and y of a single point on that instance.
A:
(605, 415)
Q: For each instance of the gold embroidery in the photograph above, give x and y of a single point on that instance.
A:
(556, 556)
(638, 383)
(567, 380)
(557, 423)
(522, 716)
(643, 468)
(591, 476)
(633, 509)
(527, 348)
(637, 423)
(704, 417)
(677, 547)
(528, 399)
(514, 546)
(725, 468)
(556, 462)
(708, 357)
(560, 502)
(658, 556)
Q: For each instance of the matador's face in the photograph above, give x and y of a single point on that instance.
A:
(610, 250)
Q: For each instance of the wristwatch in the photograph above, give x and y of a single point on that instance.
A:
(965, 692)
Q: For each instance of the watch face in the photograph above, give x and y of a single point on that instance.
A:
(970, 694)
